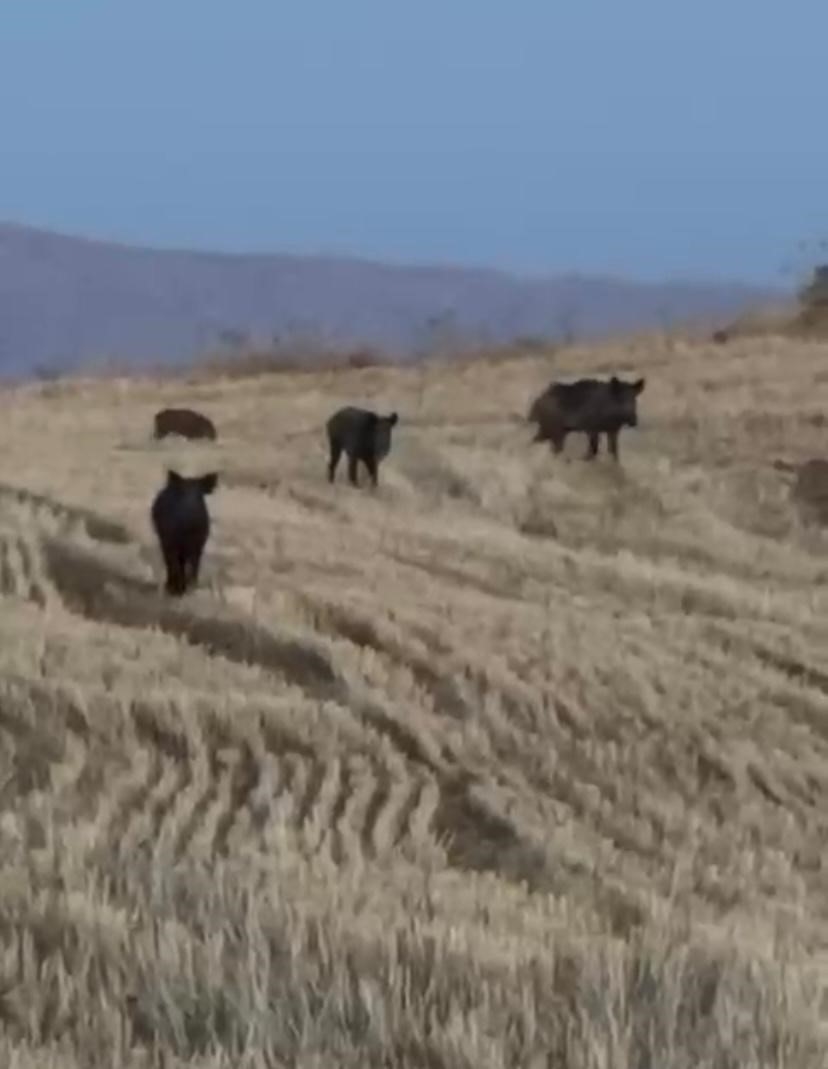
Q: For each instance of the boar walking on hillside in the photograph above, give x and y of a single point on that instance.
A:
(182, 524)
(588, 405)
(363, 435)
(183, 421)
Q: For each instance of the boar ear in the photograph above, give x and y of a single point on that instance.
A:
(173, 478)
(614, 384)
(208, 482)
(392, 419)
(639, 385)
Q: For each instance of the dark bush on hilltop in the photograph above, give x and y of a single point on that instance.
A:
(813, 299)
(254, 361)
(815, 292)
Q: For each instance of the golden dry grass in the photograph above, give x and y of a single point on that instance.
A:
(517, 762)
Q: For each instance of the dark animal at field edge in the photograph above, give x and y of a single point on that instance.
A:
(809, 490)
(182, 524)
(363, 435)
(720, 337)
(591, 406)
(183, 421)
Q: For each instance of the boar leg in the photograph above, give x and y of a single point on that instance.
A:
(371, 464)
(336, 453)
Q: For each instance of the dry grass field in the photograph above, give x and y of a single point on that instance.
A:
(517, 762)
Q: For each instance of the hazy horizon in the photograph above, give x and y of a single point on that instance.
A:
(636, 143)
(386, 261)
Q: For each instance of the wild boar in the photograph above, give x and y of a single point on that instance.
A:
(183, 421)
(592, 406)
(363, 435)
(182, 524)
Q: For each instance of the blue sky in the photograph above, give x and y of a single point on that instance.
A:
(637, 137)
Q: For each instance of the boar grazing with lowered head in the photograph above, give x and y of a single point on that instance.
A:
(183, 421)
(363, 435)
(588, 405)
(182, 524)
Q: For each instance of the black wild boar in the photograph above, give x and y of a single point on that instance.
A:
(183, 421)
(363, 435)
(588, 405)
(182, 524)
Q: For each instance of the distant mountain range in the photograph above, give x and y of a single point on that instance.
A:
(65, 301)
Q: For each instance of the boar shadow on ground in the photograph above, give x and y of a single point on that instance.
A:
(100, 592)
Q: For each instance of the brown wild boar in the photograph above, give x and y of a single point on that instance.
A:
(183, 421)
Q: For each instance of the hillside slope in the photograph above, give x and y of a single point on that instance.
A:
(516, 759)
(66, 300)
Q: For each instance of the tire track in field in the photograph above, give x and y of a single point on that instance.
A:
(149, 808)
(98, 528)
(101, 593)
(20, 575)
(244, 780)
(361, 630)
(435, 781)
(163, 780)
(449, 800)
(48, 749)
(128, 792)
(145, 778)
(179, 814)
(30, 518)
(208, 796)
(457, 687)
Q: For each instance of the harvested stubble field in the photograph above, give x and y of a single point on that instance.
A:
(516, 762)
